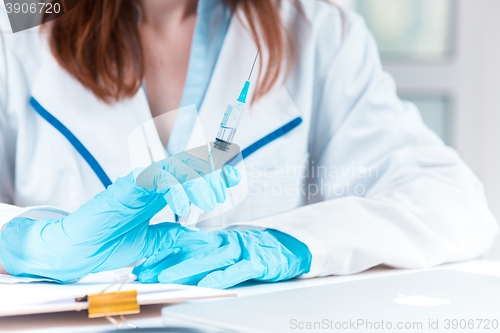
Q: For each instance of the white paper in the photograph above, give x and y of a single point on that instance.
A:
(39, 297)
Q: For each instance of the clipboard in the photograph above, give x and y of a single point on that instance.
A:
(100, 299)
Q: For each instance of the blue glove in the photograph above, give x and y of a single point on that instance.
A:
(103, 234)
(112, 230)
(230, 257)
(185, 179)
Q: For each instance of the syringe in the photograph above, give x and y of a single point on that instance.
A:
(224, 138)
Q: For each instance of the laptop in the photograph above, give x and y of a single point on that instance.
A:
(430, 301)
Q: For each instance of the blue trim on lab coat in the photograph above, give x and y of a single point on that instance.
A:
(80, 148)
(92, 162)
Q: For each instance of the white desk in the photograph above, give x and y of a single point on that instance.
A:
(150, 316)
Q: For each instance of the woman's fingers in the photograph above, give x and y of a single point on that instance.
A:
(185, 179)
(190, 271)
(178, 200)
(218, 186)
(174, 193)
(179, 184)
(145, 272)
(237, 273)
(204, 169)
(230, 175)
(227, 174)
(197, 188)
(201, 166)
(201, 194)
(149, 273)
(221, 179)
(169, 235)
(151, 177)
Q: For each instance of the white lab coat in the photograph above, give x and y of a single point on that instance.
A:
(416, 203)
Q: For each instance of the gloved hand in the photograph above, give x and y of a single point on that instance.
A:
(230, 257)
(112, 230)
(184, 179)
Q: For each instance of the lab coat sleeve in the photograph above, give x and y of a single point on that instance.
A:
(394, 194)
(7, 136)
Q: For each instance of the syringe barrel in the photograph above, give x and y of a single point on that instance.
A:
(230, 122)
(226, 134)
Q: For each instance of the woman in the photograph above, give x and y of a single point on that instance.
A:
(380, 187)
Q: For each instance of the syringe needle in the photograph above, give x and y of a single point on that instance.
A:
(253, 63)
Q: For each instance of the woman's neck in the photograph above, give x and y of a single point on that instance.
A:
(166, 31)
(159, 14)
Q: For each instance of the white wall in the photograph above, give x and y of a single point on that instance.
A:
(477, 134)
(471, 79)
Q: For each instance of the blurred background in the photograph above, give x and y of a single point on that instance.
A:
(444, 56)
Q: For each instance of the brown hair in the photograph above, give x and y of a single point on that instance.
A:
(99, 43)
